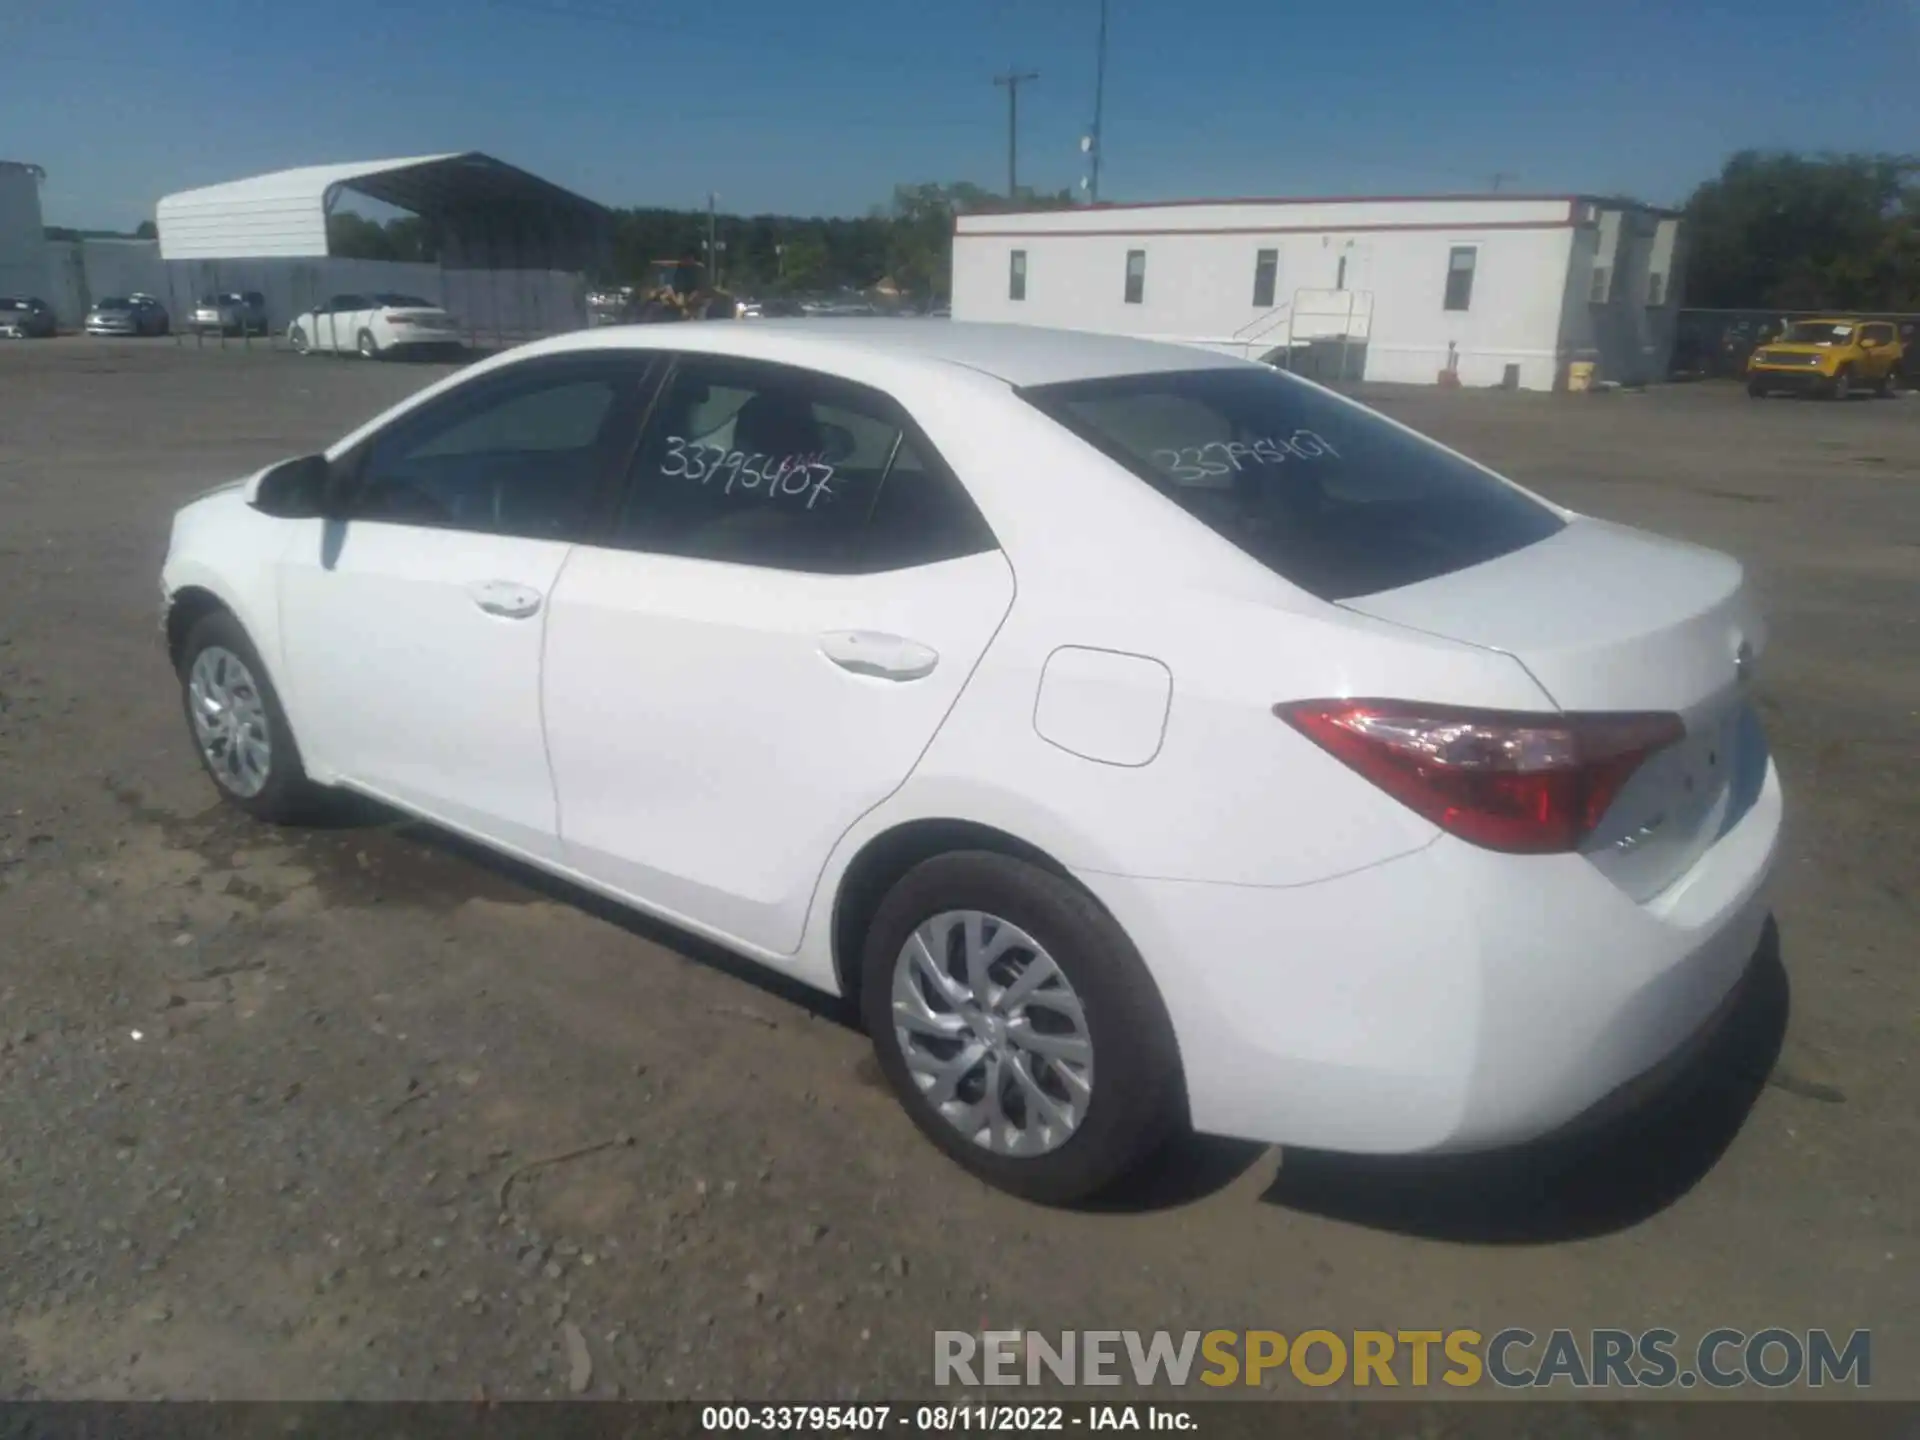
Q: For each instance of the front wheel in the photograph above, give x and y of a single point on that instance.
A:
(297, 337)
(1019, 1027)
(1842, 387)
(238, 725)
(1756, 390)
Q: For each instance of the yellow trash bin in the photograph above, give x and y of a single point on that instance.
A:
(1580, 375)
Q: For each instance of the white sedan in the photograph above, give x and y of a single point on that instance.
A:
(1146, 738)
(372, 326)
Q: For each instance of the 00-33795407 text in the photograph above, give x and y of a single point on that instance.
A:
(924, 1419)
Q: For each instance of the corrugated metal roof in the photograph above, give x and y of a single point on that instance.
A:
(285, 213)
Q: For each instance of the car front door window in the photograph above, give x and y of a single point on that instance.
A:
(518, 457)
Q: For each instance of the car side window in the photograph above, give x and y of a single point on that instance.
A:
(510, 455)
(787, 469)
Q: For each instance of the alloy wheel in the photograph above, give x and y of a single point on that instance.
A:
(992, 1033)
(230, 721)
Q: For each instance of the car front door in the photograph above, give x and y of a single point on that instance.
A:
(412, 627)
(337, 325)
(1882, 356)
(787, 603)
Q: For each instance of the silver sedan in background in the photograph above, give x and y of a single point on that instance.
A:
(128, 315)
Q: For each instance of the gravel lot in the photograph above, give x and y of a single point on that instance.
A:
(358, 1112)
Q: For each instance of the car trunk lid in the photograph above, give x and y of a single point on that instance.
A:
(1610, 619)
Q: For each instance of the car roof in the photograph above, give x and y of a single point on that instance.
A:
(1017, 354)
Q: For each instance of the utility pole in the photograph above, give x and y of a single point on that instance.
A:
(1099, 98)
(1013, 80)
(713, 250)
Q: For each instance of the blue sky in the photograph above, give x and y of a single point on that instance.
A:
(821, 107)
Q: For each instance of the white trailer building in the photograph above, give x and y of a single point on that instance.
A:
(1482, 289)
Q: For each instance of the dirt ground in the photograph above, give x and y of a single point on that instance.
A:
(358, 1112)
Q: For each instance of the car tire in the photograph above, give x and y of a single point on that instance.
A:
(237, 726)
(1756, 390)
(1887, 384)
(1133, 1099)
(1842, 387)
(366, 346)
(297, 337)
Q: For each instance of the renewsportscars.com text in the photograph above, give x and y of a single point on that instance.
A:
(1513, 1358)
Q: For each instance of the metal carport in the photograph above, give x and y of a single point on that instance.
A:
(489, 217)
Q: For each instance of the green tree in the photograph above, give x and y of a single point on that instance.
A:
(1798, 232)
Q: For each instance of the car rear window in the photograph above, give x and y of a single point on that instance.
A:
(1330, 495)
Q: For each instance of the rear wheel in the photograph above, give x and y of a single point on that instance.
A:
(1018, 1026)
(238, 727)
(1887, 383)
(368, 347)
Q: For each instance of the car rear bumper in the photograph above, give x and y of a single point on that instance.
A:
(438, 339)
(1449, 1000)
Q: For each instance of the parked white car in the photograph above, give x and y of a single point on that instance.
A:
(372, 326)
(1143, 736)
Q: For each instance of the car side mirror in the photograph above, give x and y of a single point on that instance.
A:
(294, 489)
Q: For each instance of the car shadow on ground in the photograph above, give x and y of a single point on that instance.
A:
(353, 813)
(1600, 1178)
(1580, 1184)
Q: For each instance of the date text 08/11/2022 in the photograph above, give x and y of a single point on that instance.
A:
(940, 1419)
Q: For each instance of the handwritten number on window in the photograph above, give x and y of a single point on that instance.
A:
(792, 476)
(1228, 457)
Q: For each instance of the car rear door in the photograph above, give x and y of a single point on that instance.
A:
(789, 600)
(412, 629)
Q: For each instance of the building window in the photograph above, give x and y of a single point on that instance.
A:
(1136, 276)
(1017, 275)
(1656, 289)
(1460, 261)
(1266, 272)
(1601, 291)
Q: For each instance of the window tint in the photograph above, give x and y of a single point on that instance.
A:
(1460, 260)
(1266, 271)
(1136, 276)
(771, 466)
(516, 455)
(1017, 275)
(1328, 494)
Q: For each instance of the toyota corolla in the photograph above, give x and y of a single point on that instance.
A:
(1145, 738)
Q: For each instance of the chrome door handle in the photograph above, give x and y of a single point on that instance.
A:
(506, 599)
(882, 656)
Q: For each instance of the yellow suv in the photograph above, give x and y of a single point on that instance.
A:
(1828, 357)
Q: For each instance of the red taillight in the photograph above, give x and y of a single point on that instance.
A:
(1529, 784)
